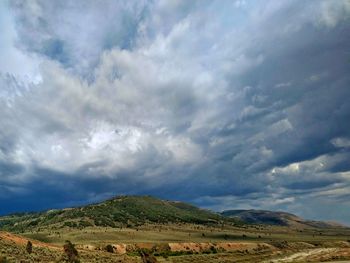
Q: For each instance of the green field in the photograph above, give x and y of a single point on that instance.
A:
(188, 233)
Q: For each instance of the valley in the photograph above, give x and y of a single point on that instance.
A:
(122, 228)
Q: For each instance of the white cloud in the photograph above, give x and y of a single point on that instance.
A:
(333, 12)
(341, 142)
(15, 62)
(212, 95)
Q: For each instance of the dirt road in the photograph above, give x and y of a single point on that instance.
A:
(316, 255)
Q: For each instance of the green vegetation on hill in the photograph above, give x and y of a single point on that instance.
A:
(262, 217)
(266, 217)
(130, 211)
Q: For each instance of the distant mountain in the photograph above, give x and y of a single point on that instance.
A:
(266, 217)
(117, 212)
(133, 211)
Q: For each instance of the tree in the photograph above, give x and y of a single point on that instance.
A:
(71, 251)
(29, 247)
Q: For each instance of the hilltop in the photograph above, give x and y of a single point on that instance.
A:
(121, 211)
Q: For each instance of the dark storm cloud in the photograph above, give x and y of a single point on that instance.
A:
(225, 104)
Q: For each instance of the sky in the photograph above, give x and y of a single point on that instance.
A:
(224, 104)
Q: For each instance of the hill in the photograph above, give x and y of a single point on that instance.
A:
(121, 211)
(275, 218)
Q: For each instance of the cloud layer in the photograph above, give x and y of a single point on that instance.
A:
(226, 104)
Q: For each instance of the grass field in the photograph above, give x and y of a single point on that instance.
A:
(253, 244)
(187, 233)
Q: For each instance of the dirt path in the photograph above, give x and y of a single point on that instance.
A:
(19, 240)
(309, 255)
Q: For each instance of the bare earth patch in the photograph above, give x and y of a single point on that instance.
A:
(19, 240)
(316, 254)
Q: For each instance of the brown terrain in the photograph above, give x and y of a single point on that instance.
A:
(19, 240)
(13, 246)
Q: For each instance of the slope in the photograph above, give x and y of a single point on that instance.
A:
(276, 218)
(121, 211)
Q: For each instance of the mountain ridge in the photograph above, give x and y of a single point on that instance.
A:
(119, 211)
(134, 211)
(278, 218)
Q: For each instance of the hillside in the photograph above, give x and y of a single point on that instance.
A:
(275, 218)
(13, 249)
(121, 211)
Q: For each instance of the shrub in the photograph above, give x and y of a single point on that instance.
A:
(84, 223)
(213, 250)
(280, 244)
(147, 257)
(29, 247)
(109, 248)
(70, 224)
(71, 252)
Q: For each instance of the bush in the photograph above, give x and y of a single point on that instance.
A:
(29, 247)
(213, 250)
(71, 252)
(70, 224)
(104, 221)
(280, 244)
(147, 257)
(109, 248)
(84, 223)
